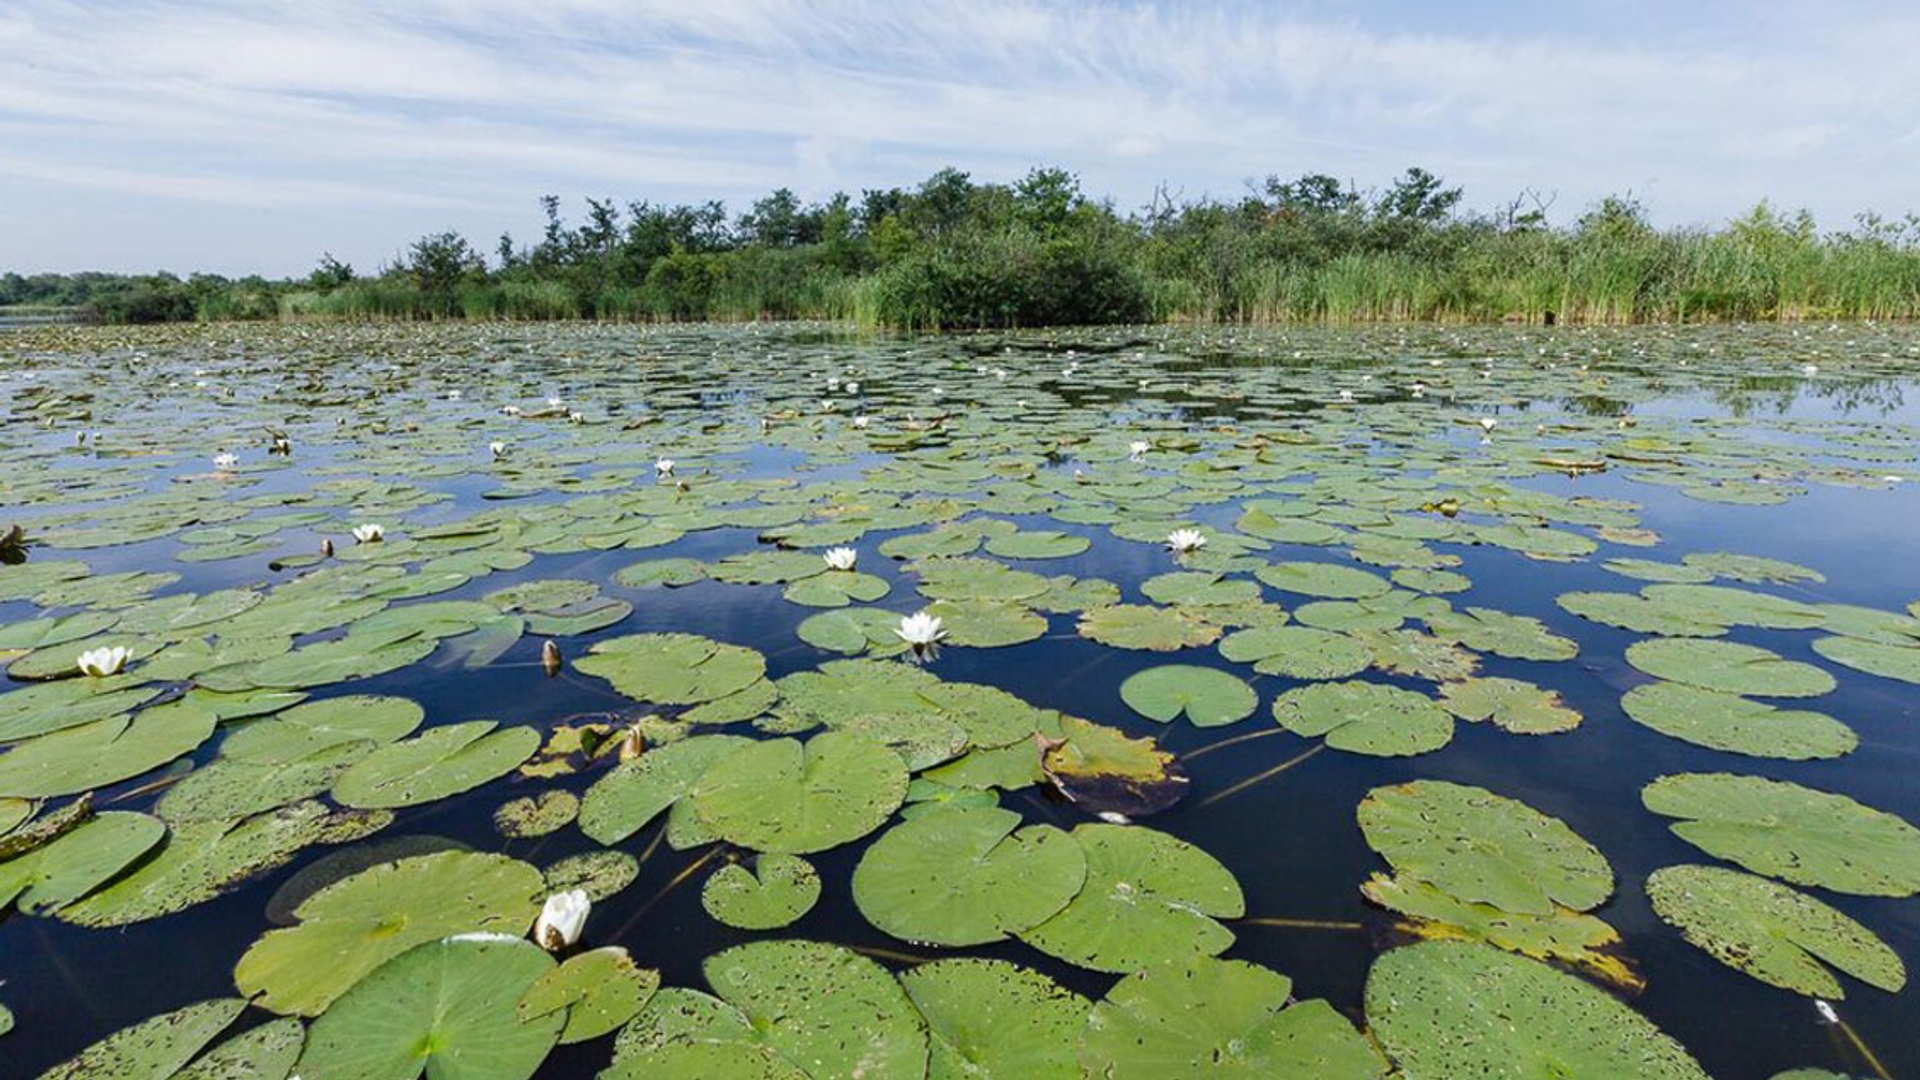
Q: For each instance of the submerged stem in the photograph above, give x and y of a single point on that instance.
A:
(1211, 747)
(1860, 1044)
(889, 954)
(678, 880)
(1303, 924)
(1269, 774)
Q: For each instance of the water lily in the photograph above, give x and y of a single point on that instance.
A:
(509, 410)
(920, 630)
(497, 448)
(663, 467)
(105, 661)
(225, 462)
(453, 395)
(853, 387)
(861, 421)
(369, 533)
(1488, 423)
(1138, 449)
(576, 417)
(1183, 541)
(841, 558)
(554, 402)
(562, 918)
(1346, 395)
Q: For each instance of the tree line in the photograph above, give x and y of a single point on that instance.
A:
(953, 252)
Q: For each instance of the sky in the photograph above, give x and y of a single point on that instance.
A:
(250, 136)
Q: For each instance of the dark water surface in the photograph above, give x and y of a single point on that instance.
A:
(1291, 841)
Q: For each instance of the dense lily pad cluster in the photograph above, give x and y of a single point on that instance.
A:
(214, 675)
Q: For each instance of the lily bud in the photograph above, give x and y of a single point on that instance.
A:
(550, 658)
(562, 918)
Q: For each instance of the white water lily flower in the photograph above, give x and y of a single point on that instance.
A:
(225, 462)
(862, 421)
(663, 467)
(576, 417)
(1346, 395)
(510, 410)
(369, 533)
(554, 402)
(453, 395)
(841, 558)
(1185, 540)
(833, 382)
(497, 448)
(104, 661)
(1810, 369)
(562, 918)
(853, 387)
(920, 629)
(1138, 449)
(1488, 423)
(1826, 1011)
(1419, 389)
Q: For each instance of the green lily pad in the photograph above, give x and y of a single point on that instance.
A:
(154, 1049)
(598, 990)
(1774, 933)
(625, 800)
(1365, 718)
(1148, 898)
(1207, 696)
(1790, 832)
(1741, 607)
(673, 669)
(1901, 662)
(1329, 581)
(599, 874)
(98, 753)
(1142, 626)
(963, 876)
(445, 1008)
(1497, 632)
(536, 815)
(787, 797)
(443, 761)
(267, 1052)
(785, 1010)
(1452, 1009)
(1631, 611)
(355, 925)
(58, 873)
(778, 890)
(992, 1020)
(1729, 667)
(1732, 723)
(1484, 848)
(1104, 771)
(1297, 652)
(1510, 704)
(1572, 939)
(1199, 1018)
(1755, 569)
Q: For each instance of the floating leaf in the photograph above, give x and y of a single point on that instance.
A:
(1512, 705)
(1729, 667)
(598, 990)
(1570, 938)
(622, 802)
(792, 798)
(1141, 626)
(1770, 931)
(78, 862)
(445, 1008)
(992, 1020)
(444, 761)
(963, 876)
(536, 815)
(1329, 581)
(1104, 771)
(1207, 696)
(673, 669)
(1732, 723)
(1484, 848)
(1794, 833)
(1453, 1009)
(778, 890)
(155, 1049)
(1149, 897)
(1297, 652)
(1900, 662)
(1365, 718)
(353, 926)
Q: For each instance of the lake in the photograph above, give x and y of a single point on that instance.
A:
(1590, 654)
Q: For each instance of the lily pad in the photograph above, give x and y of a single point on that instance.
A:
(776, 891)
(154, 1049)
(1484, 848)
(1729, 667)
(1104, 771)
(1510, 704)
(1297, 652)
(1208, 697)
(444, 761)
(445, 1008)
(1790, 832)
(1901, 662)
(1732, 723)
(1572, 939)
(1774, 933)
(1365, 718)
(78, 862)
(673, 669)
(1451, 1009)
(791, 798)
(1143, 626)
(597, 990)
(964, 876)
(625, 800)
(1148, 898)
(992, 1020)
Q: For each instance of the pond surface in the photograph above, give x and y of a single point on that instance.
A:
(1430, 555)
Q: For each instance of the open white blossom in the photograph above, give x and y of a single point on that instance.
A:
(920, 629)
(105, 661)
(225, 462)
(562, 918)
(663, 467)
(1488, 423)
(510, 410)
(862, 421)
(369, 533)
(1183, 541)
(853, 387)
(1138, 449)
(841, 558)
(497, 448)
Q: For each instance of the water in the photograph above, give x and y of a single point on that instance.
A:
(346, 395)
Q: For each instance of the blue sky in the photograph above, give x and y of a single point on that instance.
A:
(250, 135)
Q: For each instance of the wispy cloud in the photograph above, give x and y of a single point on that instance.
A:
(355, 124)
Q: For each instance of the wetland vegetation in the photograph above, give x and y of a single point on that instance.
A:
(955, 252)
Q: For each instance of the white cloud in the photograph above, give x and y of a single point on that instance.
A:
(463, 111)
